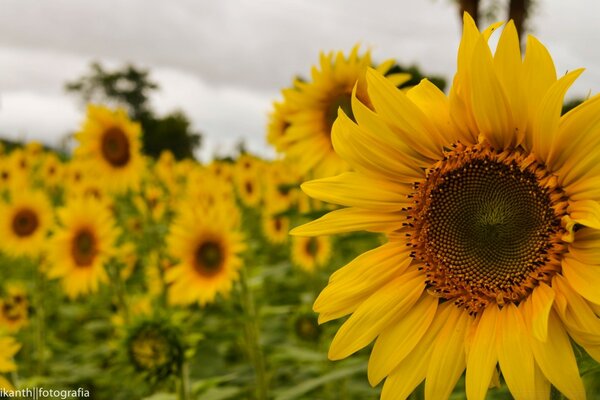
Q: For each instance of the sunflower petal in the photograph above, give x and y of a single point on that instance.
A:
(388, 304)
(556, 360)
(352, 284)
(357, 190)
(514, 353)
(448, 357)
(482, 359)
(584, 278)
(541, 304)
(490, 105)
(398, 340)
(585, 212)
(349, 220)
(412, 370)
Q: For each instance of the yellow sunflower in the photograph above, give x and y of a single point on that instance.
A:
(310, 253)
(208, 249)
(109, 143)
(490, 200)
(24, 223)
(301, 124)
(8, 348)
(275, 228)
(14, 309)
(81, 246)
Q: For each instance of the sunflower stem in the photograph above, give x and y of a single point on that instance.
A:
(119, 287)
(184, 376)
(40, 315)
(252, 333)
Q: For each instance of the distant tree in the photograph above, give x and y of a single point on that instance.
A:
(130, 87)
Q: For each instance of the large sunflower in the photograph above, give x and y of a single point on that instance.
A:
(301, 124)
(110, 145)
(82, 246)
(208, 247)
(24, 223)
(490, 201)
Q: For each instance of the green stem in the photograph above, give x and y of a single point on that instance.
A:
(184, 393)
(119, 288)
(252, 333)
(40, 318)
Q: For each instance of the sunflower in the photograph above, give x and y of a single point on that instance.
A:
(82, 246)
(14, 309)
(311, 252)
(275, 228)
(110, 144)
(301, 125)
(8, 348)
(24, 223)
(208, 248)
(490, 202)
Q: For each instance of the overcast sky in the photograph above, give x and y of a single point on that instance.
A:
(223, 62)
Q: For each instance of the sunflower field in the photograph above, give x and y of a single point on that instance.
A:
(405, 243)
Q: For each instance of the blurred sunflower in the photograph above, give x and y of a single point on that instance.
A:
(301, 125)
(208, 248)
(24, 223)
(82, 246)
(490, 201)
(311, 252)
(14, 309)
(275, 228)
(8, 348)
(110, 144)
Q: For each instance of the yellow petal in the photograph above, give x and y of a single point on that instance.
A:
(556, 360)
(584, 278)
(514, 354)
(481, 362)
(585, 212)
(541, 302)
(352, 284)
(545, 124)
(509, 65)
(397, 109)
(538, 75)
(490, 105)
(448, 357)
(369, 155)
(387, 305)
(349, 220)
(357, 190)
(399, 339)
(412, 370)
(435, 105)
(577, 314)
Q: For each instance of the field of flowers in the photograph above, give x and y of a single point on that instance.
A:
(458, 232)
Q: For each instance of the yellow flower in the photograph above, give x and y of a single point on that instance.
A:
(14, 309)
(490, 202)
(110, 145)
(208, 249)
(301, 125)
(275, 228)
(82, 246)
(311, 252)
(8, 348)
(24, 224)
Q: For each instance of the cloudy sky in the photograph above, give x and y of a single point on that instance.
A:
(223, 62)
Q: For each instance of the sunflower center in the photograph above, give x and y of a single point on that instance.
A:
(312, 247)
(209, 258)
(84, 248)
(344, 101)
(487, 226)
(115, 147)
(25, 222)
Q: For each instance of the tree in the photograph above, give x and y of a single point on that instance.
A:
(130, 87)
